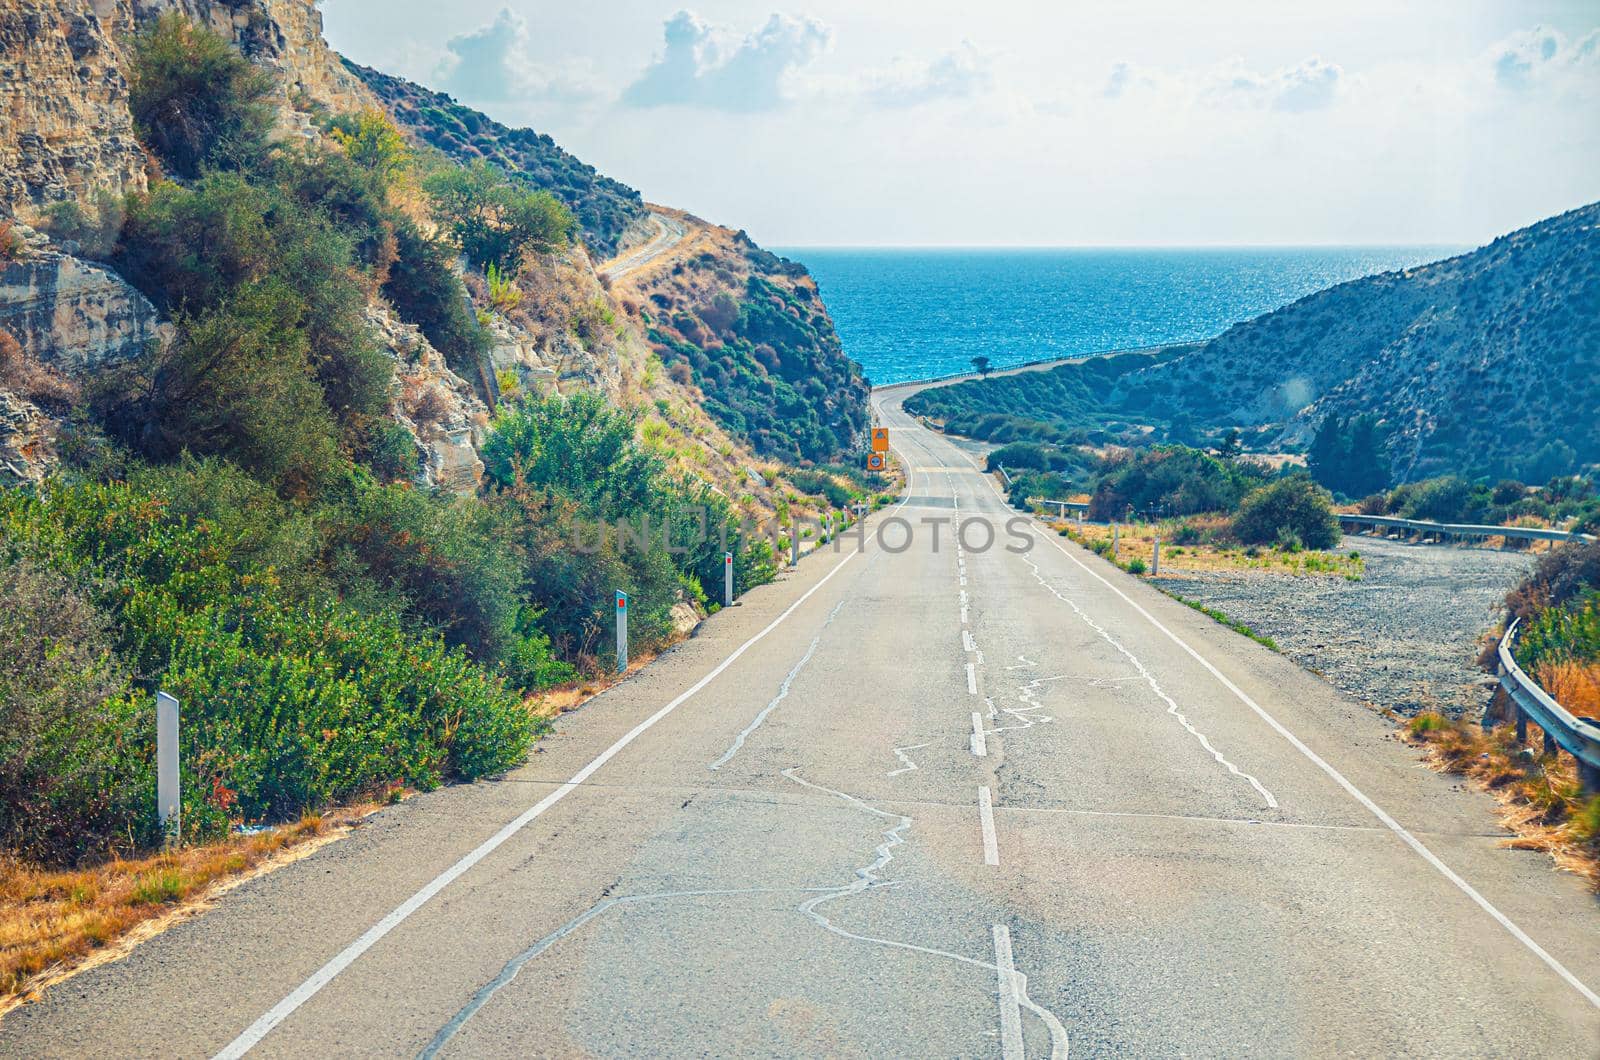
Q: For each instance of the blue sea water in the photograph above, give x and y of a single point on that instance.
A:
(918, 314)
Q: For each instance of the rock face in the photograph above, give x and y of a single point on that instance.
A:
(72, 315)
(65, 130)
(435, 405)
(27, 439)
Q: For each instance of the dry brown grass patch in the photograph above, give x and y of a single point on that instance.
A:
(1541, 802)
(56, 922)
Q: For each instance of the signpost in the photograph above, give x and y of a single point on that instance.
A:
(727, 579)
(168, 795)
(622, 632)
(880, 439)
(874, 461)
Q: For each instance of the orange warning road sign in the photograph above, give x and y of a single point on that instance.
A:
(880, 439)
(875, 462)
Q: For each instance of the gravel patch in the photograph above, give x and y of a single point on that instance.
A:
(1403, 638)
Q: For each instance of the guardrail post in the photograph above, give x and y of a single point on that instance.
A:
(1588, 778)
(169, 799)
(622, 632)
(1522, 724)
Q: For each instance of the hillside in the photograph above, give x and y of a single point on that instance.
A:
(605, 208)
(1487, 364)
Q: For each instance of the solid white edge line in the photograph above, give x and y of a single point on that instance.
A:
(980, 743)
(1010, 1010)
(324, 975)
(991, 846)
(1338, 778)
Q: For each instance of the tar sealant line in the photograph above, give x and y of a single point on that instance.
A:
(900, 753)
(264, 1025)
(868, 877)
(991, 845)
(1006, 982)
(1333, 774)
(1155, 687)
(514, 966)
(783, 691)
(979, 742)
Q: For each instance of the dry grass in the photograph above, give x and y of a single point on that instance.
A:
(1136, 541)
(1575, 685)
(55, 922)
(1541, 802)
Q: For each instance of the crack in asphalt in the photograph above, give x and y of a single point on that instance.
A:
(1155, 686)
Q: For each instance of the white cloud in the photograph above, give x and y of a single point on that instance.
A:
(1311, 84)
(706, 66)
(492, 64)
(1540, 57)
(959, 74)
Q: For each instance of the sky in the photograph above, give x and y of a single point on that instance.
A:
(1007, 123)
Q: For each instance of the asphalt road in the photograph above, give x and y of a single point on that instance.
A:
(903, 802)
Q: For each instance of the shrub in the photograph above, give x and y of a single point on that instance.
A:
(195, 101)
(1291, 506)
(372, 142)
(1563, 574)
(1136, 566)
(1176, 478)
(426, 291)
(494, 221)
(70, 783)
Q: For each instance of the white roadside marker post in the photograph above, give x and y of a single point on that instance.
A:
(794, 542)
(1155, 559)
(622, 632)
(1116, 551)
(168, 795)
(727, 579)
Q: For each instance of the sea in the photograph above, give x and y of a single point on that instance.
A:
(922, 314)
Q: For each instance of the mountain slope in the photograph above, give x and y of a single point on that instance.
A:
(1487, 363)
(605, 208)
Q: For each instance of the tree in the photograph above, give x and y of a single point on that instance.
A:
(1293, 508)
(494, 221)
(195, 101)
(1348, 456)
(982, 366)
(1232, 444)
(373, 143)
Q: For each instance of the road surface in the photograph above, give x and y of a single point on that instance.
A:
(903, 802)
(669, 230)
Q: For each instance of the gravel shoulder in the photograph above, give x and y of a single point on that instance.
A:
(1404, 638)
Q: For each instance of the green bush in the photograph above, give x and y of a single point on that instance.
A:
(1569, 631)
(495, 221)
(1176, 479)
(1289, 510)
(195, 101)
(70, 785)
(425, 291)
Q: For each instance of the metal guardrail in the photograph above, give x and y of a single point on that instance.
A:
(1579, 737)
(1081, 507)
(1421, 526)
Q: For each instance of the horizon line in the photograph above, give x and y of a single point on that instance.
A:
(1115, 246)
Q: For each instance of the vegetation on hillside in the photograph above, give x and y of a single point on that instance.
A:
(603, 207)
(770, 367)
(1486, 365)
(237, 519)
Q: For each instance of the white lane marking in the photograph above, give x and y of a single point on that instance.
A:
(972, 680)
(980, 744)
(900, 753)
(1337, 777)
(1010, 1012)
(867, 878)
(963, 579)
(258, 1030)
(783, 691)
(963, 614)
(1155, 686)
(967, 643)
(991, 846)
